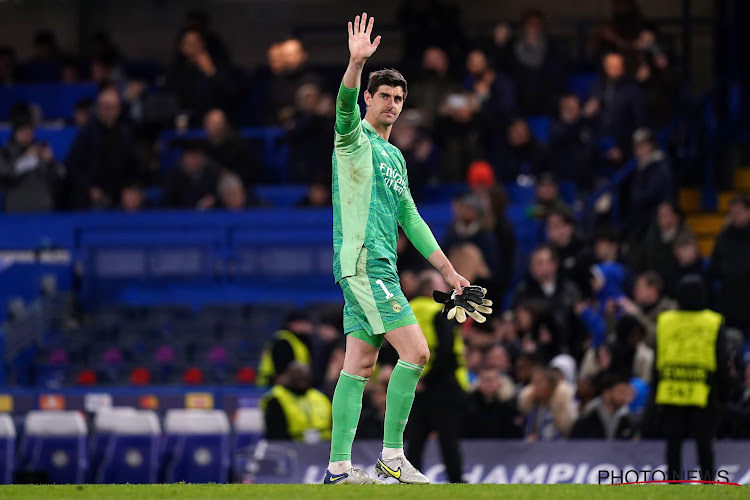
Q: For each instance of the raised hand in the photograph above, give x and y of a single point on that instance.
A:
(360, 47)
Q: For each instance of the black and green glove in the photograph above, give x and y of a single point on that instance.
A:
(471, 302)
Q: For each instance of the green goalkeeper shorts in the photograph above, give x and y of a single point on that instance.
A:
(373, 301)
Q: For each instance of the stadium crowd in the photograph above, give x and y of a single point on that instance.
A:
(572, 354)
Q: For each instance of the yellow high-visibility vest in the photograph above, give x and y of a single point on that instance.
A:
(425, 310)
(310, 411)
(267, 369)
(685, 356)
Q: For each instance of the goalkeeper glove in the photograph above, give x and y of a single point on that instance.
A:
(471, 302)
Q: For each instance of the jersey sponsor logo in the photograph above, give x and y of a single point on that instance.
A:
(392, 178)
(396, 307)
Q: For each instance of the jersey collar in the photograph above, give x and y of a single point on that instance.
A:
(369, 127)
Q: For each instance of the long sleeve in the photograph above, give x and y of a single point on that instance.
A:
(415, 227)
(276, 428)
(348, 118)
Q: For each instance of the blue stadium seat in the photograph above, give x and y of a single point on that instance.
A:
(281, 196)
(249, 427)
(131, 454)
(539, 126)
(56, 100)
(103, 427)
(580, 84)
(197, 446)
(55, 442)
(7, 448)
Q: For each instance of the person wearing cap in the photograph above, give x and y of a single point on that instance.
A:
(290, 344)
(691, 376)
(652, 183)
(730, 266)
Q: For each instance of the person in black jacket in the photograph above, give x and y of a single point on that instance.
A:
(440, 398)
(607, 417)
(194, 182)
(488, 416)
(101, 158)
(730, 266)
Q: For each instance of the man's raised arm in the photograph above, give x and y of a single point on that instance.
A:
(360, 49)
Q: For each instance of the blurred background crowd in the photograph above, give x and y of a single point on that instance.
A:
(571, 179)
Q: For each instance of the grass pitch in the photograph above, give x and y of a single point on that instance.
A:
(349, 492)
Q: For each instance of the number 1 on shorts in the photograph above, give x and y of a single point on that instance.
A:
(388, 294)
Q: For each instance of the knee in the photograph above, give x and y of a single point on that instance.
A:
(364, 369)
(422, 356)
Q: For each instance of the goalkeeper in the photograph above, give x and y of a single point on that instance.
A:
(370, 199)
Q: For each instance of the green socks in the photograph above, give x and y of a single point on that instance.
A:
(398, 402)
(347, 405)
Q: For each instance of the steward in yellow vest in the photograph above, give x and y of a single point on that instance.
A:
(441, 399)
(295, 411)
(290, 344)
(691, 376)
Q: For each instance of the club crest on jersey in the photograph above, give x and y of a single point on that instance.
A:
(396, 307)
(392, 178)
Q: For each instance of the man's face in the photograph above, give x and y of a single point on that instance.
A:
(570, 109)
(489, 383)
(24, 136)
(386, 104)
(614, 66)
(620, 395)
(476, 63)
(108, 107)
(605, 250)
(435, 59)
(191, 44)
(559, 231)
(686, 253)
(192, 161)
(543, 267)
(739, 216)
(643, 293)
(215, 125)
(666, 219)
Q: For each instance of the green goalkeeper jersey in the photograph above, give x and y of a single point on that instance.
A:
(371, 194)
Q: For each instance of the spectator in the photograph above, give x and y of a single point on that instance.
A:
(571, 150)
(627, 355)
(548, 406)
(194, 182)
(659, 81)
(488, 415)
(470, 260)
(555, 295)
(655, 251)
(564, 367)
(616, 102)
(82, 111)
(278, 88)
(309, 133)
(199, 20)
(537, 330)
(688, 261)
(432, 85)
(492, 90)
(132, 197)
(424, 24)
(607, 417)
(227, 149)
(648, 302)
(418, 149)
(9, 73)
(621, 31)
(463, 135)
(46, 62)
(319, 196)
(293, 410)
(290, 344)
(547, 198)
(101, 157)
(526, 364)
(231, 192)
(520, 156)
(737, 414)
(481, 180)
(30, 178)
(199, 82)
(534, 64)
(471, 226)
(731, 267)
(575, 260)
(652, 183)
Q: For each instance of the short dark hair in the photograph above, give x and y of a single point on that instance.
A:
(653, 279)
(390, 77)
